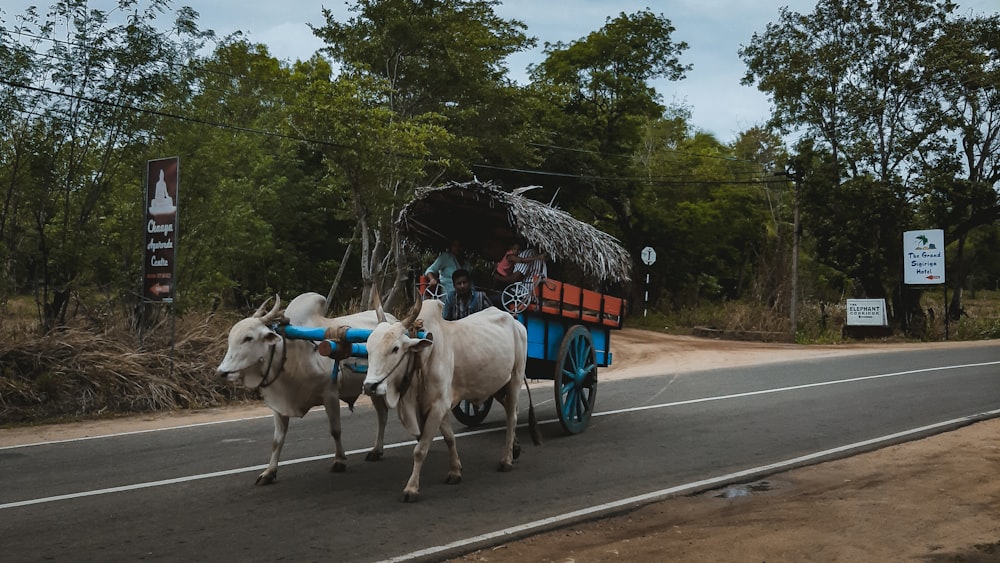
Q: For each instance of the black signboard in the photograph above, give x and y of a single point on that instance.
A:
(160, 226)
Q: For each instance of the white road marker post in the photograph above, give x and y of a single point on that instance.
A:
(648, 256)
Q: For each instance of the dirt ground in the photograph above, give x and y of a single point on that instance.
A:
(932, 500)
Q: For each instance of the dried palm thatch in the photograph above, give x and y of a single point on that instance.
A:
(488, 219)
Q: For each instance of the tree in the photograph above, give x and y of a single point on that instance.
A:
(252, 219)
(963, 77)
(846, 76)
(431, 83)
(445, 57)
(78, 105)
(600, 84)
(708, 213)
(369, 154)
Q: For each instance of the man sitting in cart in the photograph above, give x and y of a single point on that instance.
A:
(463, 300)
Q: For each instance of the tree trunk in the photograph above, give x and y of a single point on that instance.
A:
(955, 308)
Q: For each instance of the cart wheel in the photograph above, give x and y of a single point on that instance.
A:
(516, 297)
(575, 380)
(467, 413)
(433, 292)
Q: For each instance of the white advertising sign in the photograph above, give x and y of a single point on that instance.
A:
(923, 257)
(866, 312)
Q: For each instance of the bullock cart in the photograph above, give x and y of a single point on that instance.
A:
(569, 325)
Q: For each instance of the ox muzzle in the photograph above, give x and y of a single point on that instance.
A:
(227, 375)
(375, 388)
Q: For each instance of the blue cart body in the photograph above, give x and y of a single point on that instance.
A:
(546, 333)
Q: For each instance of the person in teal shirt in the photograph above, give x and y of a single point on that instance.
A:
(441, 271)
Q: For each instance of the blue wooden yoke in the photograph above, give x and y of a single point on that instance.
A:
(316, 334)
(357, 339)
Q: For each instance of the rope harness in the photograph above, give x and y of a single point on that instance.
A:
(270, 362)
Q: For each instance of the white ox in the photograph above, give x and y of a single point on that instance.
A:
(293, 377)
(471, 359)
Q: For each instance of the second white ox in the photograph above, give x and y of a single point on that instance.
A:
(471, 359)
(292, 376)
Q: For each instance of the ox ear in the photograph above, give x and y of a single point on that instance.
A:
(423, 343)
(271, 338)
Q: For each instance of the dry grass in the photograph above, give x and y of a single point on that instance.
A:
(97, 367)
(822, 323)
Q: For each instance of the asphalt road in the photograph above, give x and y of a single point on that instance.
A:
(188, 494)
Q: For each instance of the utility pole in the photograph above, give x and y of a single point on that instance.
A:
(796, 176)
(793, 309)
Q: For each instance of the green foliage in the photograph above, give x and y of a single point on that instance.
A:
(443, 58)
(882, 92)
(74, 117)
(283, 165)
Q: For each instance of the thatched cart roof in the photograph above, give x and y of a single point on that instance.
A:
(487, 219)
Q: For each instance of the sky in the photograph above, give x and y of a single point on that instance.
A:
(713, 29)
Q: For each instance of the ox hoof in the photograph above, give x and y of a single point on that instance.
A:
(265, 478)
(338, 467)
(505, 467)
(453, 478)
(373, 456)
(411, 497)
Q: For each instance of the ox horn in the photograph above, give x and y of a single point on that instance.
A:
(379, 311)
(412, 316)
(260, 310)
(275, 311)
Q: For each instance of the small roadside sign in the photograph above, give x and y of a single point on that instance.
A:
(866, 312)
(648, 256)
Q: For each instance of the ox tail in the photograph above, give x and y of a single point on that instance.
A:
(536, 435)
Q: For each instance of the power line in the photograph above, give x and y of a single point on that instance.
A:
(600, 153)
(159, 113)
(658, 181)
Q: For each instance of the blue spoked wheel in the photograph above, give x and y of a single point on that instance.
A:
(467, 413)
(575, 380)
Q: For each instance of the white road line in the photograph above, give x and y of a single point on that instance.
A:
(198, 477)
(82, 438)
(793, 388)
(176, 480)
(664, 493)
